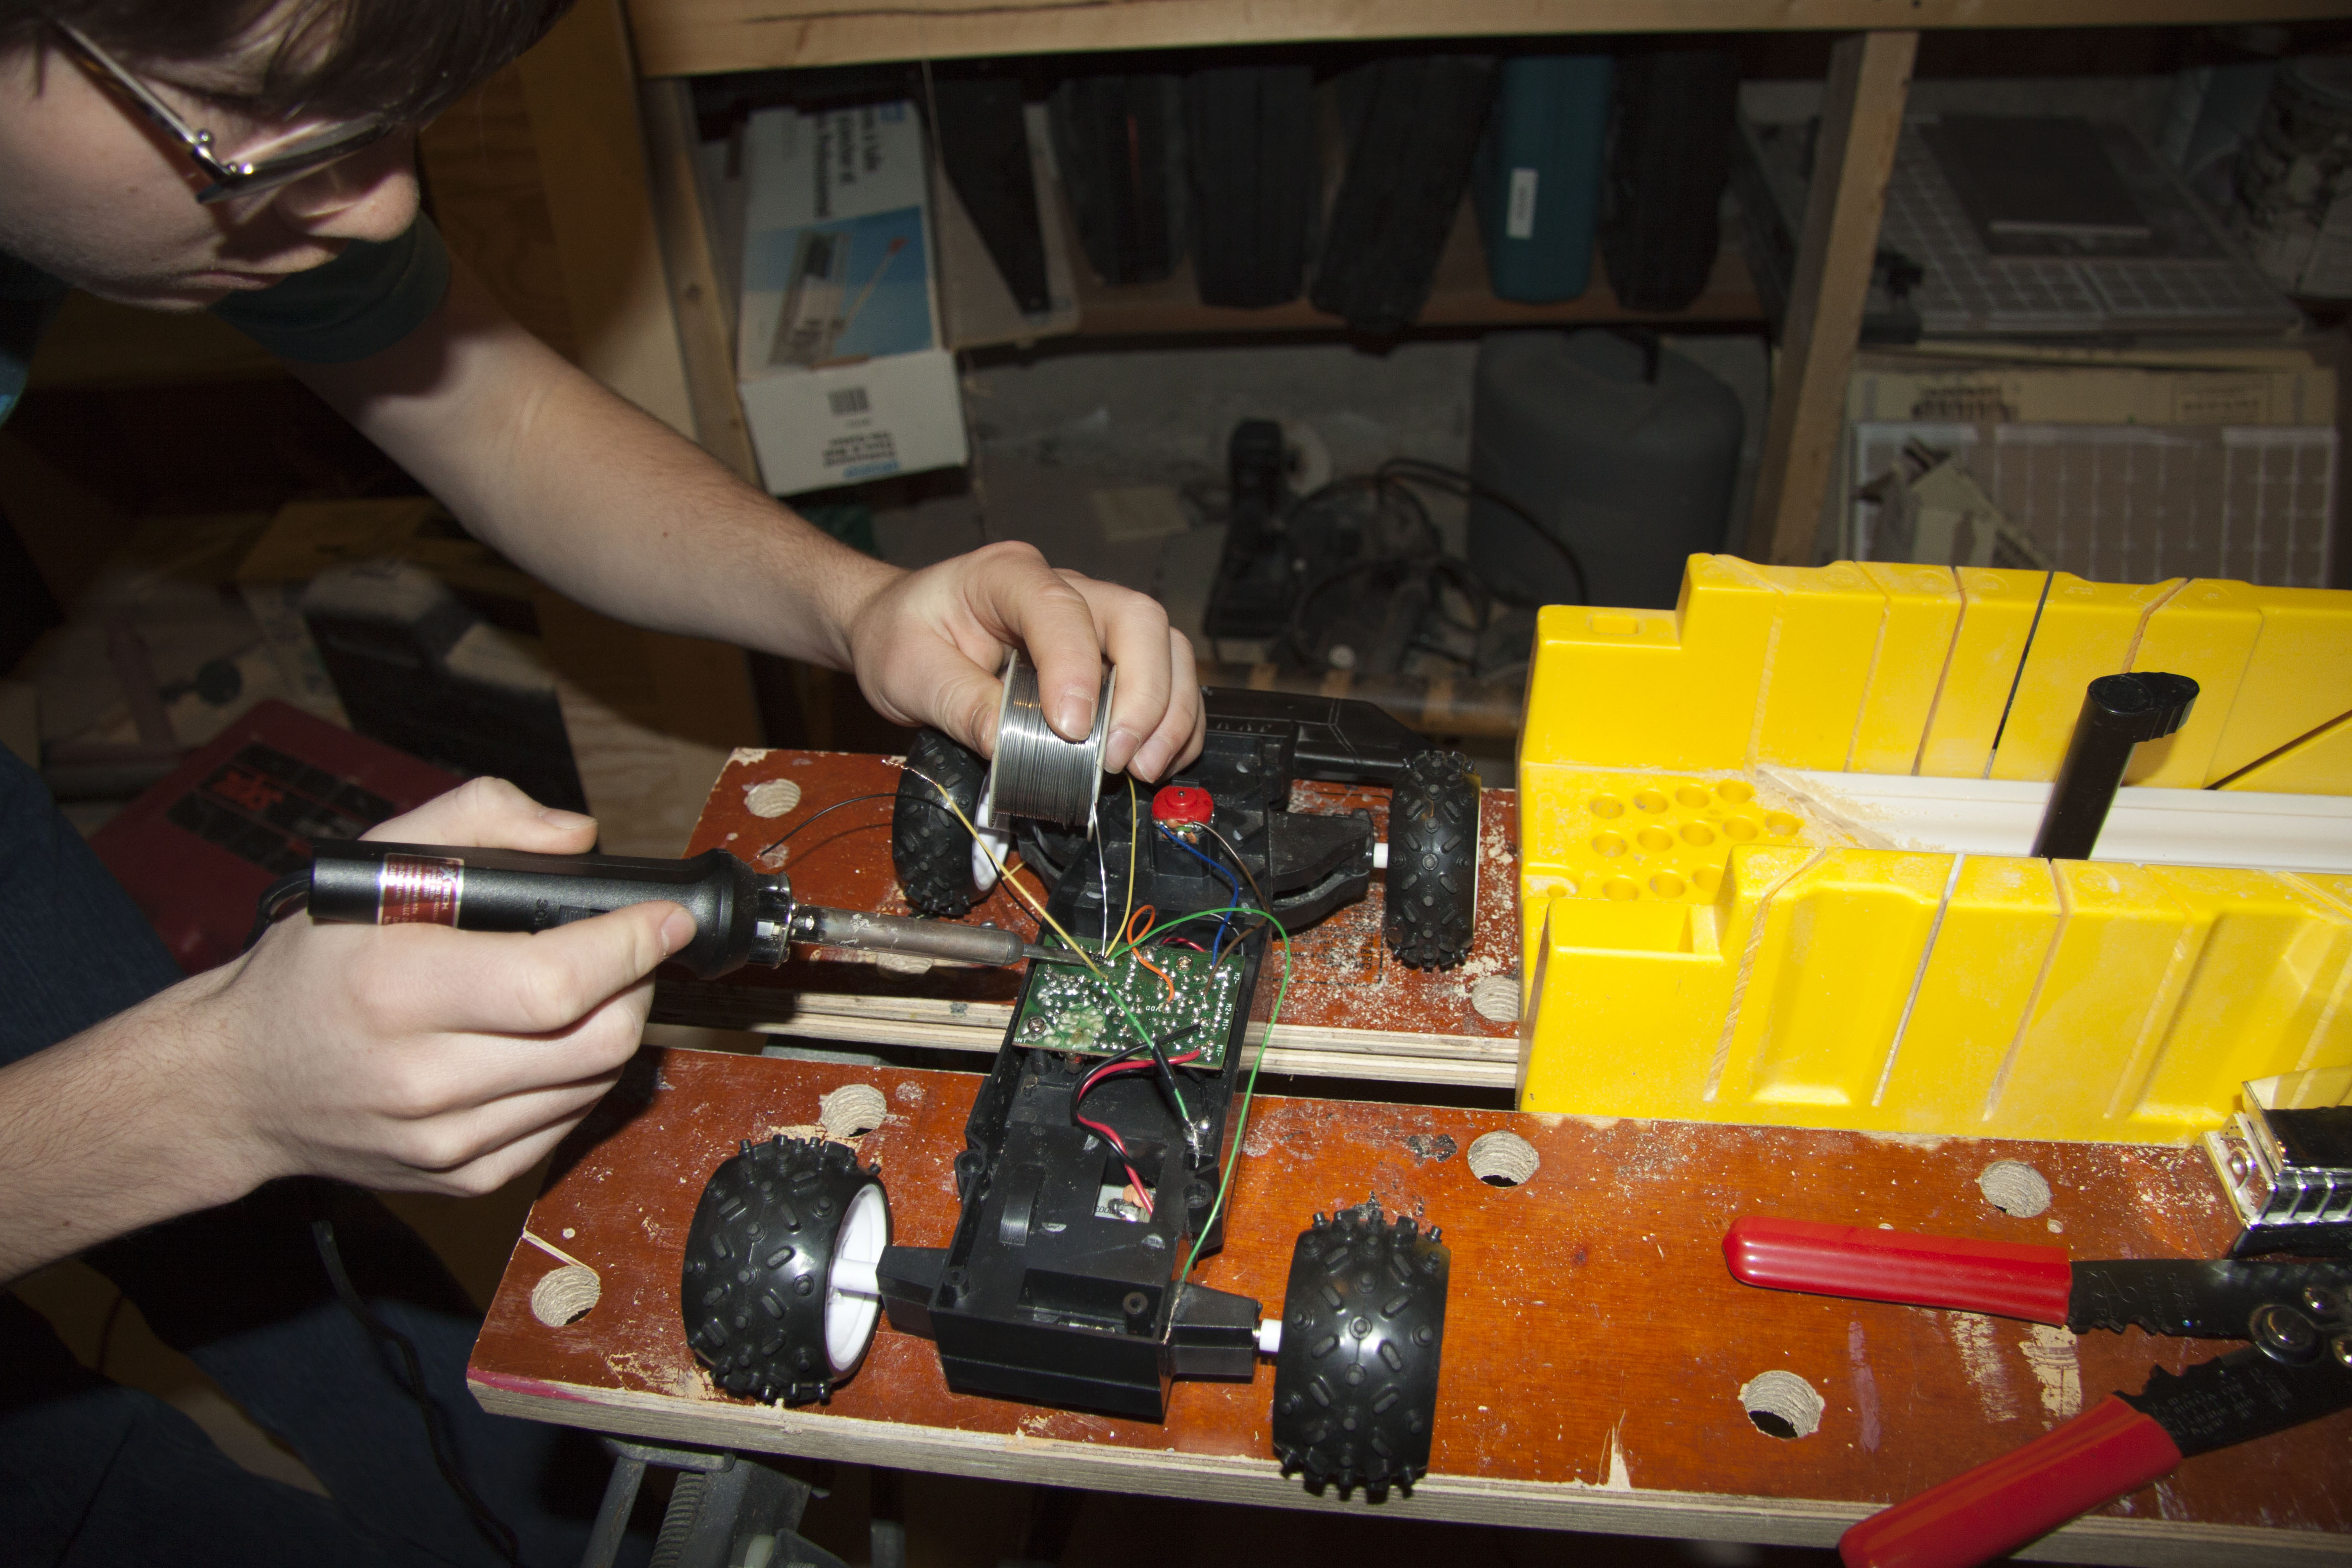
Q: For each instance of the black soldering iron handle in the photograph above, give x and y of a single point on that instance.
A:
(739, 915)
(2119, 711)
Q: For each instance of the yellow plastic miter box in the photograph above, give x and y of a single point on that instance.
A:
(1709, 937)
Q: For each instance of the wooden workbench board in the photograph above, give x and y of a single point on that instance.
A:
(1595, 1345)
(1351, 1009)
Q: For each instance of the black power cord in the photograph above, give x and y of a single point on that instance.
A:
(494, 1529)
(1437, 475)
(1319, 524)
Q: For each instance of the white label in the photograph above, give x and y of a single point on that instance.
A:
(1520, 223)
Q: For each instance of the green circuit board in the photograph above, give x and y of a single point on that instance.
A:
(1067, 1009)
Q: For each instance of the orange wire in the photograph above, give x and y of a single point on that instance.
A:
(1126, 935)
(1165, 979)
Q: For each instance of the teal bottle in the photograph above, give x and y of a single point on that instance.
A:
(1538, 177)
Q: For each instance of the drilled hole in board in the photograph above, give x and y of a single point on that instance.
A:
(2014, 1187)
(852, 1111)
(565, 1295)
(1503, 1160)
(1781, 1404)
(773, 798)
(1497, 998)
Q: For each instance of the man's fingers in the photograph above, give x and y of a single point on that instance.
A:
(463, 1072)
(482, 1151)
(1053, 620)
(490, 812)
(967, 704)
(1135, 636)
(433, 979)
(1177, 740)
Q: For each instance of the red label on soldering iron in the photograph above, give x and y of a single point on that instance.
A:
(1182, 804)
(417, 889)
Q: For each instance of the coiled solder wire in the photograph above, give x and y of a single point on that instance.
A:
(1035, 773)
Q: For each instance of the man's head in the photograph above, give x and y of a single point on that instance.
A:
(102, 193)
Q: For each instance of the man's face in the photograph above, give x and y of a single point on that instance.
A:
(95, 192)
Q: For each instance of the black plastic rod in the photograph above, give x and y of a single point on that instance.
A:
(2119, 711)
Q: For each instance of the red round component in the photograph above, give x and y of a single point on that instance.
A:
(1181, 805)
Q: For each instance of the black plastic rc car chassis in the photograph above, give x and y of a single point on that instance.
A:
(1051, 1290)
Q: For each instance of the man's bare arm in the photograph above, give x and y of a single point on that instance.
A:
(596, 497)
(107, 1131)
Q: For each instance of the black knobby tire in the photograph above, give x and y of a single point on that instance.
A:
(1432, 861)
(928, 847)
(759, 1259)
(1363, 1326)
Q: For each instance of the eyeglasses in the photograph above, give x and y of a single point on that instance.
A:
(265, 168)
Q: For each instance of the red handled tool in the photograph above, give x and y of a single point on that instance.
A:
(2297, 1368)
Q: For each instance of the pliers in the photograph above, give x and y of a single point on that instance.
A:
(2298, 1367)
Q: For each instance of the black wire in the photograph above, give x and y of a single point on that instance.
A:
(493, 1529)
(287, 893)
(1423, 471)
(1157, 1047)
(1430, 564)
(836, 805)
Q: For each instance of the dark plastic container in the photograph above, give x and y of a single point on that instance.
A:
(1538, 177)
(1624, 451)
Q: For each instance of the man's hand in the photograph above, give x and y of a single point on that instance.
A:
(421, 1057)
(926, 648)
(409, 1056)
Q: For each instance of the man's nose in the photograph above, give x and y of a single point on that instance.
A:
(372, 194)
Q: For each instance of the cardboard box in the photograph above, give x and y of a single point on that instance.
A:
(2119, 466)
(840, 361)
(1905, 389)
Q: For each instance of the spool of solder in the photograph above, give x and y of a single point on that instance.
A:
(1036, 773)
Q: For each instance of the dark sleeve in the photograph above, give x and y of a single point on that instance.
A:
(359, 304)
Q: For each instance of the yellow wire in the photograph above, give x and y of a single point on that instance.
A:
(1134, 831)
(1006, 876)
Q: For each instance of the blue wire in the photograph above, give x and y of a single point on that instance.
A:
(1224, 922)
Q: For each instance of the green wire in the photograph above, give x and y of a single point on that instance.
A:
(1240, 1121)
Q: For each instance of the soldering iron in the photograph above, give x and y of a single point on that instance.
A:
(741, 915)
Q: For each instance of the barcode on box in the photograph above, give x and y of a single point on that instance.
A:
(849, 400)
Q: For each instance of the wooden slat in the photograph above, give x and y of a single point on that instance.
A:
(1862, 115)
(686, 37)
(1595, 1345)
(1306, 1050)
(581, 90)
(1352, 1011)
(705, 315)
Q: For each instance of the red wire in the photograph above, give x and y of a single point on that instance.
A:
(1133, 1064)
(1118, 1145)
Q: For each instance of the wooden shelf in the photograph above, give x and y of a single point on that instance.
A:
(1458, 297)
(693, 37)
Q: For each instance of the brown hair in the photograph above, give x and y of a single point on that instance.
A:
(402, 60)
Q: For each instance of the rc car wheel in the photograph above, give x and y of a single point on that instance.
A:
(1432, 861)
(1363, 1324)
(928, 847)
(778, 1290)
